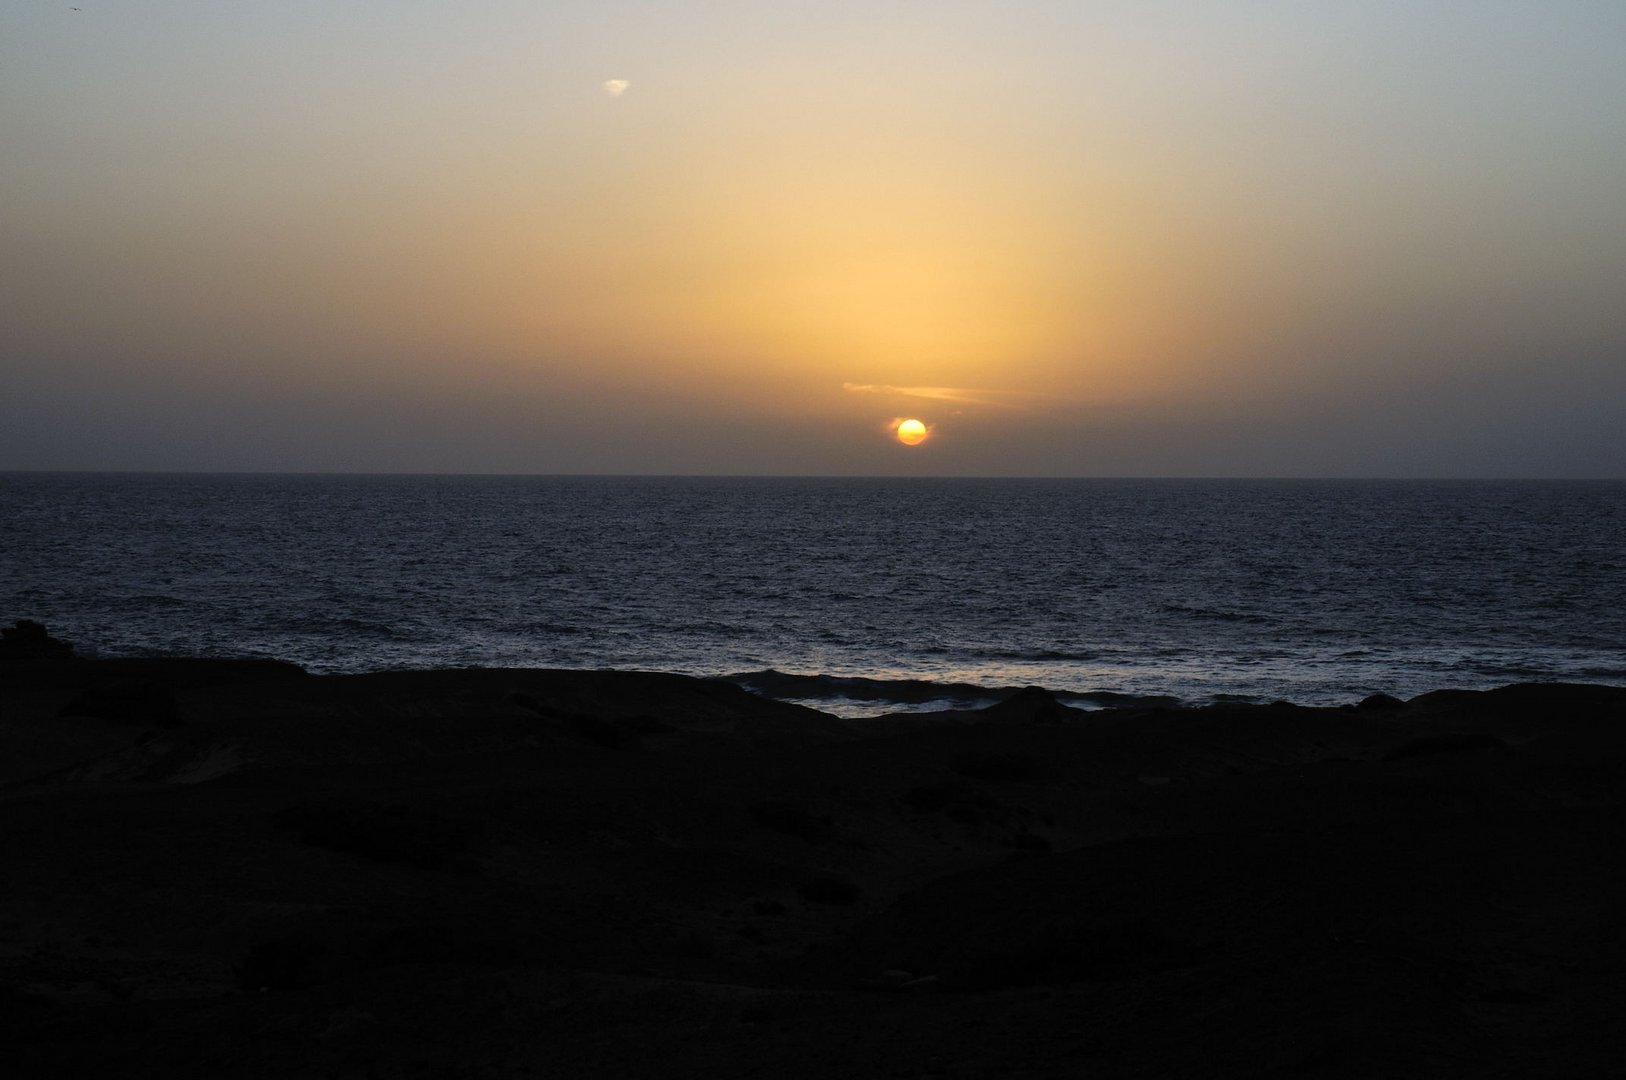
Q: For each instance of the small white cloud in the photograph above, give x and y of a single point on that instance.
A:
(616, 87)
(1001, 399)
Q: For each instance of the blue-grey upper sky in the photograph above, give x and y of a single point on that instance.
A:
(1255, 237)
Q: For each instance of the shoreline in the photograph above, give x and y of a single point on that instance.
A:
(236, 868)
(857, 696)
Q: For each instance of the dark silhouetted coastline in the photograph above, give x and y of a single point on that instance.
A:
(237, 868)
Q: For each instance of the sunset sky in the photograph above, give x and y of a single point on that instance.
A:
(1289, 238)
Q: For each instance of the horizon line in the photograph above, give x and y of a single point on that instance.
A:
(355, 473)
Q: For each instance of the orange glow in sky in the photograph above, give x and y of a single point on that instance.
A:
(621, 237)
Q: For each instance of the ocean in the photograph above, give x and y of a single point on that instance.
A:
(854, 595)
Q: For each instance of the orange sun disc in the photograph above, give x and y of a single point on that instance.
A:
(911, 432)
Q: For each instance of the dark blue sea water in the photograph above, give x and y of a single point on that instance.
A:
(1310, 591)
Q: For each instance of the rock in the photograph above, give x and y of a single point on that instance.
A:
(792, 819)
(138, 702)
(836, 890)
(294, 963)
(1380, 703)
(1449, 742)
(756, 1013)
(997, 767)
(891, 981)
(386, 833)
(1029, 843)
(29, 639)
(1030, 705)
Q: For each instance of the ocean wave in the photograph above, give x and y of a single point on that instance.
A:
(151, 600)
(1216, 614)
(785, 686)
(1081, 656)
(1525, 670)
(347, 627)
(362, 626)
(551, 628)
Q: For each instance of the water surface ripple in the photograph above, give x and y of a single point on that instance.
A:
(1310, 591)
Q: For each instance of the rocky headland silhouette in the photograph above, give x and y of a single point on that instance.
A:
(237, 869)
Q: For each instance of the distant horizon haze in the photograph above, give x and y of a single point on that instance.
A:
(1182, 239)
(856, 477)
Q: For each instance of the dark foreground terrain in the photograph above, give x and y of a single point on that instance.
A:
(235, 869)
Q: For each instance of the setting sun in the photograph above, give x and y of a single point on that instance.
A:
(910, 432)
